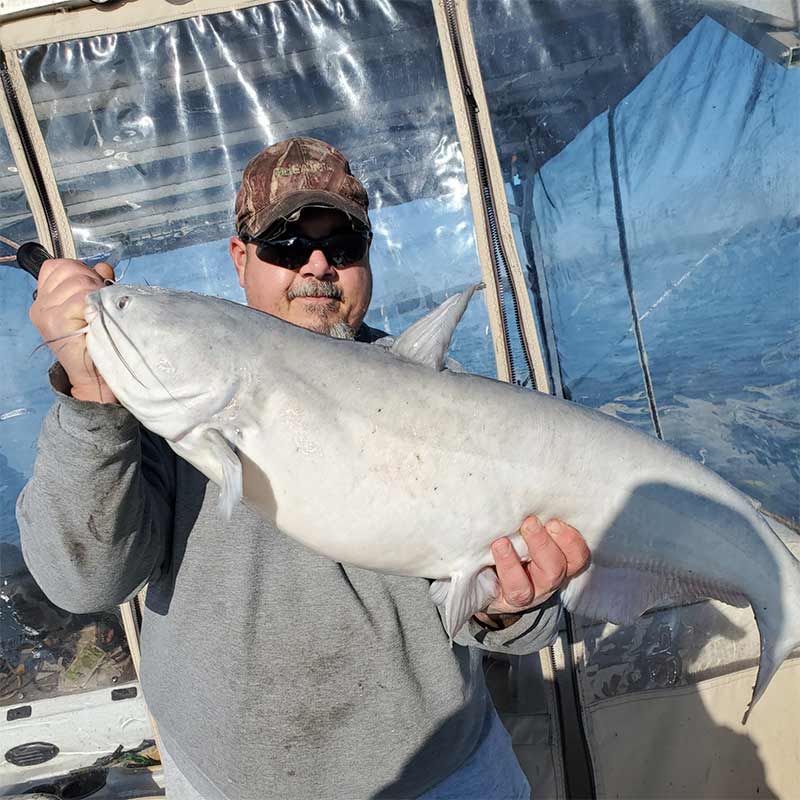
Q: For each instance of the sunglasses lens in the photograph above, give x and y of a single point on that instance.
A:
(290, 256)
(341, 249)
(346, 248)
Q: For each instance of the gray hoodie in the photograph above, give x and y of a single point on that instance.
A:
(270, 670)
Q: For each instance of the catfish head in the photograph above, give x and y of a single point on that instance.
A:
(165, 354)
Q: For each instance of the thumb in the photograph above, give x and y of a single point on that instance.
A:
(105, 271)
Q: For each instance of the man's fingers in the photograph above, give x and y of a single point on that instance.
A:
(571, 544)
(73, 308)
(76, 285)
(514, 581)
(105, 271)
(548, 564)
(557, 552)
(56, 271)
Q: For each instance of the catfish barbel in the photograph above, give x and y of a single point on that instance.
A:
(380, 458)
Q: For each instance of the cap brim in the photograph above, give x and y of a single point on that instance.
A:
(287, 206)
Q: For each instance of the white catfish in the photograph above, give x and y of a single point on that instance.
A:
(381, 459)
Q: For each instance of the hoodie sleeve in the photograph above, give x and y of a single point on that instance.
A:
(96, 516)
(534, 630)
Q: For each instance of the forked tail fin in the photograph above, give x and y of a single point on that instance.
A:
(777, 641)
(774, 651)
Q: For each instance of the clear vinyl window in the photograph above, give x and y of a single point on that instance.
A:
(148, 151)
(649, 155)
(45, 652)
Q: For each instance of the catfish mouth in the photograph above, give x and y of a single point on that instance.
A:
(96, 316)
(99, 318)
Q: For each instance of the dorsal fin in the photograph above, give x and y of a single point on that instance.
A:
(426, 341)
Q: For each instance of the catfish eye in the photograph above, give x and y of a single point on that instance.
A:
(123, 301)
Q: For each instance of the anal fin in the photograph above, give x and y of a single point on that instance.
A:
(622, 593)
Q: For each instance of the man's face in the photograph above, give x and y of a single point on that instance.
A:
(317, 295)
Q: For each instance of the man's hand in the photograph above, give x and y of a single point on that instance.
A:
(557, 552)
(58, 310)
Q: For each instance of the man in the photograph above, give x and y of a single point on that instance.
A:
(272, 671)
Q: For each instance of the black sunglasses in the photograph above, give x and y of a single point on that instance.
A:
(341, 249)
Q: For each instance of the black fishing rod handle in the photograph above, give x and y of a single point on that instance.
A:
(31, 256)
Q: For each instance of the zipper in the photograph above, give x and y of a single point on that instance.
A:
(502, 276)
(571, 665)
(626, 270)
(30, 157)
(559, 703)
(579, 781)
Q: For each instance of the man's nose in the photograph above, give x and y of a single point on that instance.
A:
(317, 266)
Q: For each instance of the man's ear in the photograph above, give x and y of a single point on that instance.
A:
(238, 251)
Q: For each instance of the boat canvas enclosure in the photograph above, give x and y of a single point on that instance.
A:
(623, 178)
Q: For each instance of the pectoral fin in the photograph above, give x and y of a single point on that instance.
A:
(426, 341)
(463, 595)
(230, 468)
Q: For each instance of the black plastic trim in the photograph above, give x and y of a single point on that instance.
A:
(31, 754)
(126, 693)
(20, 712)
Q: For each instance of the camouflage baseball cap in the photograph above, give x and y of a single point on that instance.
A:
(291, 175)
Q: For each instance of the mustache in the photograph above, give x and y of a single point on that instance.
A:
(312, 288)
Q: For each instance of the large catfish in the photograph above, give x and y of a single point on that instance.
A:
(382, 459)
